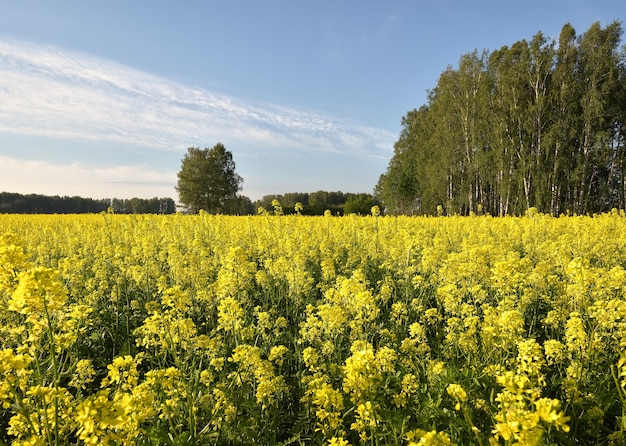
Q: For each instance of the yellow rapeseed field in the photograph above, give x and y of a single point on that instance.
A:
(278, 330)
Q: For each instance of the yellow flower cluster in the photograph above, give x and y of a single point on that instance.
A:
(278, 329)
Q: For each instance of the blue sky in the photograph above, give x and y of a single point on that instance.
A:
(102, 98)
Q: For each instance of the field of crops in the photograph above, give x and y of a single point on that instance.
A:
(312, 330)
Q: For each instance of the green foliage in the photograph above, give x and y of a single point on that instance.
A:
(541, 124)
(13, 203)
(207, 181)
(316, 203)
(143, 206)
(358, 204)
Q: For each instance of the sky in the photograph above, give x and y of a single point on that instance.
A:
(102, 99)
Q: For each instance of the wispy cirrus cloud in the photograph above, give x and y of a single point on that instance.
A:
(46, 91)
(76, 124)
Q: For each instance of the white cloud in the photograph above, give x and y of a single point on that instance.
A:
(45, 91)
(46, 178)
(75, 124)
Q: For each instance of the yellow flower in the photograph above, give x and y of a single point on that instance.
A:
(337, 441)
(575, 334)
(83, 374)
(277, 353)
(122, 372)
(361, 376)
(457, 392)
(530, 358)
(549, 411)
(435, 368)
(230, 315)
(327, 404)
(261, 372)
(432, 438)
(554, 351)
(366, 420)
(39, 291)
(310, 356)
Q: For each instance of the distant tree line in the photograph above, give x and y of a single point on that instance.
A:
(316, 203)
(143, 206)
(539, 124)
(13, 203)
(208, 182)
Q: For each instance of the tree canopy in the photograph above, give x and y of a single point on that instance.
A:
(317, 203)
(540, 124)
(207, 180)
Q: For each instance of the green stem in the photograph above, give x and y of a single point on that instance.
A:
(55, 371)
(474, 428)
(622, 397)
(45, 412)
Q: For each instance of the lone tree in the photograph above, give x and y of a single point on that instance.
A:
(207, 180)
